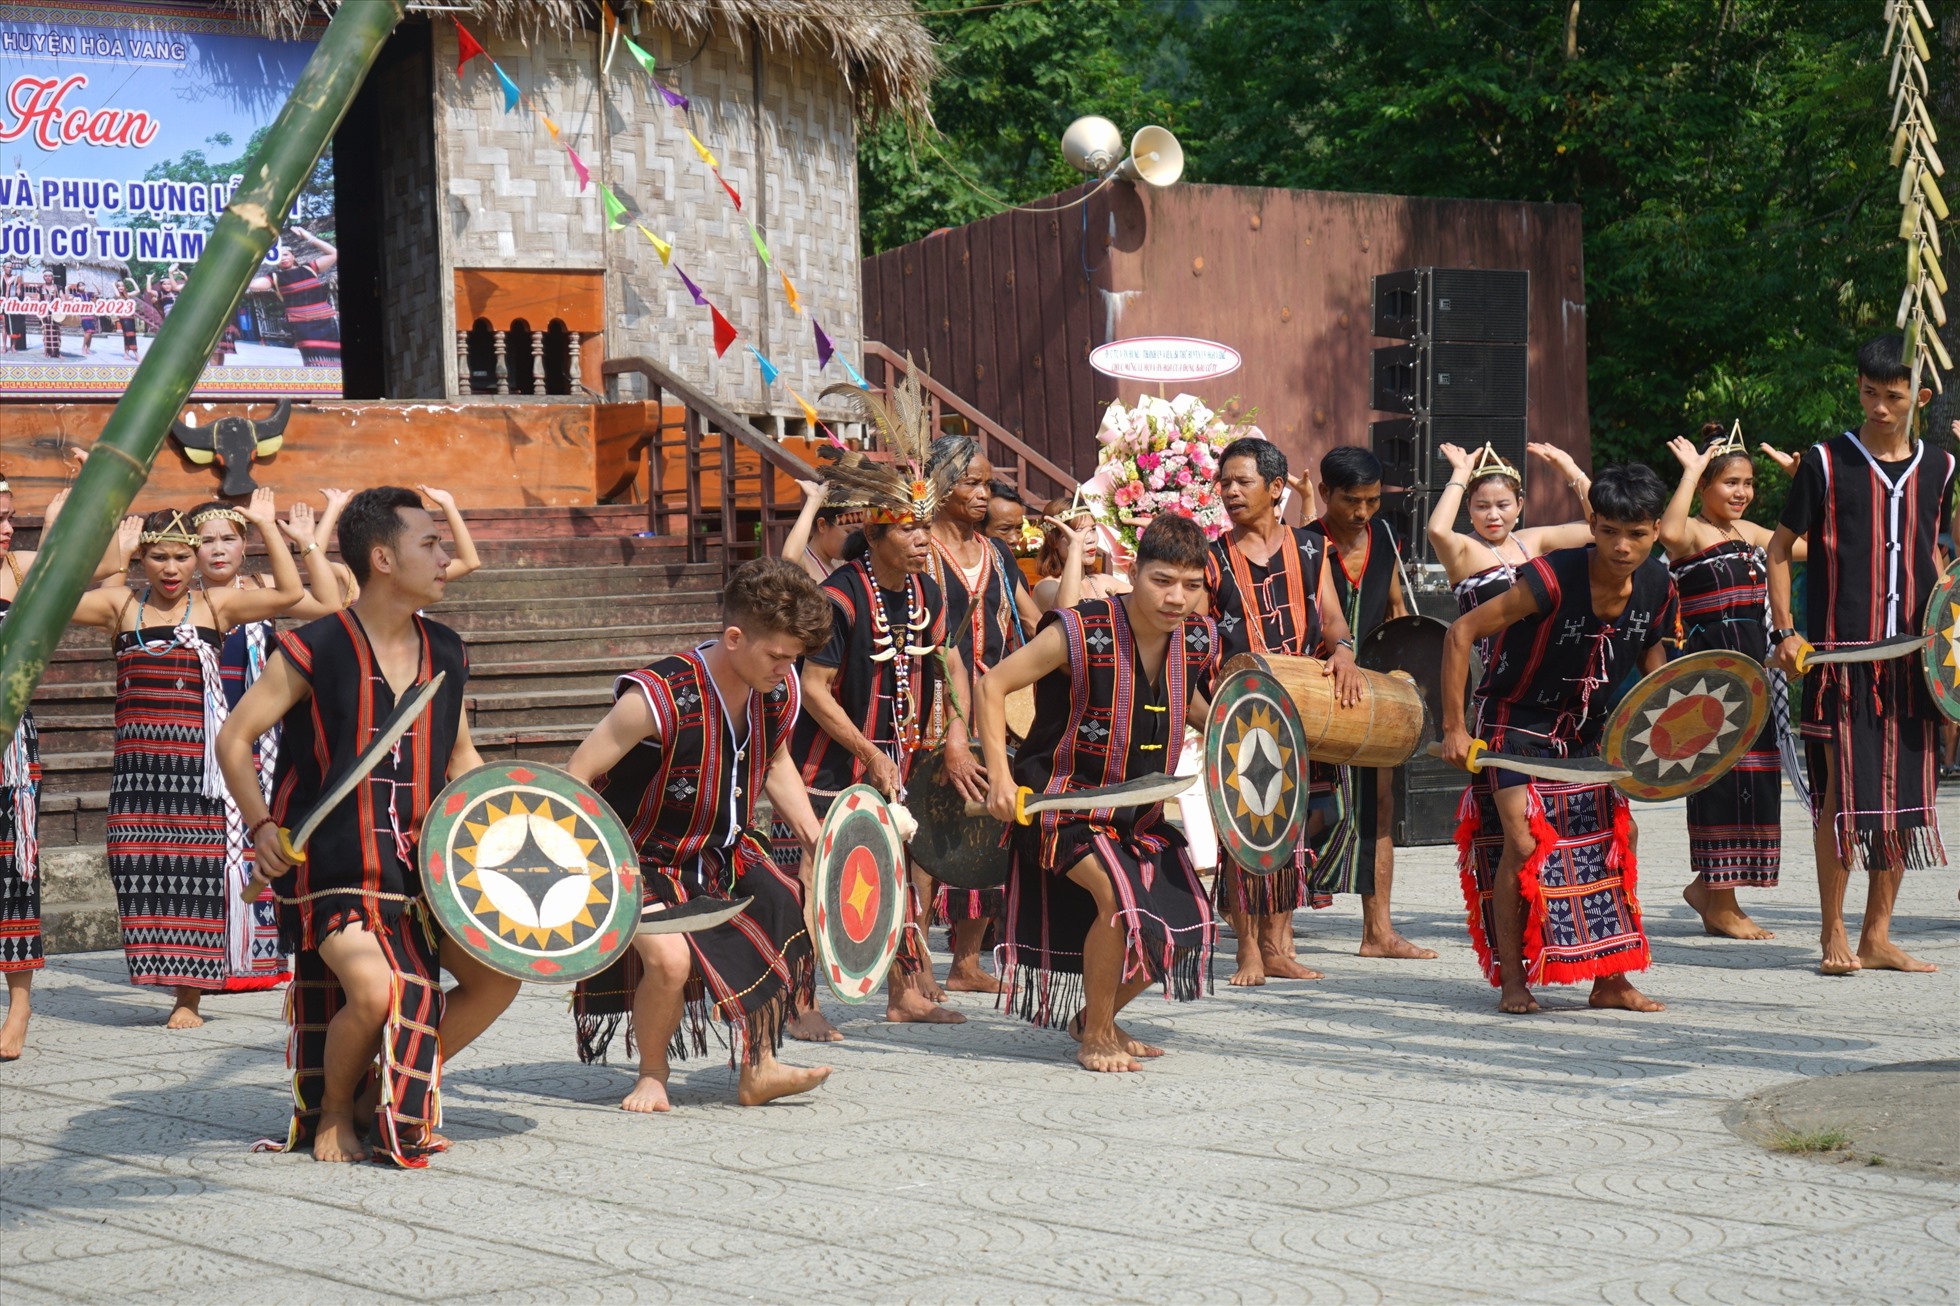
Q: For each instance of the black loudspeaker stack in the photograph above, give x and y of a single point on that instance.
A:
(1459, 380)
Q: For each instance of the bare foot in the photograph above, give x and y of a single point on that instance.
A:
(1106, 1055)
(1396, 948)
(1719, 913)
(1252, 971)
(1613, 991)
(335, 1140)
(13, 1034)
(1889, 956)
(811, 1027)
(928, 987)
(909, 1006)
(766, 1083)
(184, 1014)
(1130, 1043)
(1516, 1000)
(971, 979)
(649, 1095)
(1838, 958)
(1283, 967)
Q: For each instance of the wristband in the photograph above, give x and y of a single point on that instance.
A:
(252, 835)
(1347, 644)
(1778, 636)
(311, 545)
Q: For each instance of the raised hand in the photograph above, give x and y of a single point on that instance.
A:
(1691, 455)
(1787, 461)
(812, 489)
(1456, 455)
(442, 499)
(262, 509)
(299, 525)
(336, 499)
(129, 536)
(1077, 537)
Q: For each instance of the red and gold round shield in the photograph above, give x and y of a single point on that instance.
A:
(1681, 728)
(1940, 659)
(1255, 769)
(860, 893)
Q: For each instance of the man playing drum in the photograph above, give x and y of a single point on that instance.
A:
(366, 972)
(689, 741)
(1270, 593)
(1549, 869)
(1104, 903)
(1366, 570)
(1869, 503)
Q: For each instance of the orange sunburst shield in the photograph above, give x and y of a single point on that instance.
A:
(1681, 729)
(529, 871)
(1940, 659)
(859, 893)
(1256, 770)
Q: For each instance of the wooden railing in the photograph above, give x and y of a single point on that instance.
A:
(1004, 450)
(694, 464)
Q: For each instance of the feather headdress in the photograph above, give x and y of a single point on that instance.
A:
(898, 488)
(1489, 462)
(1730, 443)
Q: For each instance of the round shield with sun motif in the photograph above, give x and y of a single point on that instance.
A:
(1255, 770)
(1941, 657)
(529, 871)
(860, 893)
(1681, 728)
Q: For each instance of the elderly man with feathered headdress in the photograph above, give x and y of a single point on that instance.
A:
(888, 686)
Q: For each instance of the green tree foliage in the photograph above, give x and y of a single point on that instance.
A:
(1729, 157)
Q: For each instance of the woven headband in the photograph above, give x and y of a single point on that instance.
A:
(1489, 463)
(217, 514)
(175, 532)
(1730, 443)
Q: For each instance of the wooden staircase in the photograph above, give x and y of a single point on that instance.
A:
(566, 600)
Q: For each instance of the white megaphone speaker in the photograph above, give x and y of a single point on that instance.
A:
(1155, 158)
(1092, 145)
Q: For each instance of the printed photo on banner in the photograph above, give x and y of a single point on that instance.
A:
(124, 131)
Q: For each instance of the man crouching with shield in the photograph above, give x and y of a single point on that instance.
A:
(1103, 901)
(689, 742)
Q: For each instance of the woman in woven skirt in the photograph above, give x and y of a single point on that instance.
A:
(1721, 569)
(176, 843)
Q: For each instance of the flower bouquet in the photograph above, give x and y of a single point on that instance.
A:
(1160, 456)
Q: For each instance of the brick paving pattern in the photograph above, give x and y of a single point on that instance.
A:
(1382, 1135)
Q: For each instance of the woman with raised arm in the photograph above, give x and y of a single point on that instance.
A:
(816, 540)
(1073, 564)
(1720, 564)
(176, 841)
(1483, 564)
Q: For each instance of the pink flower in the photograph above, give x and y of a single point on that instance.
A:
(1128, 494)
(1148, 461)
(1184, 476)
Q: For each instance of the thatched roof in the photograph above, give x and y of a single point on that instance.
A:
(880, 46)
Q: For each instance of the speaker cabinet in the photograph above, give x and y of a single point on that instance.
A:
(1481, 305)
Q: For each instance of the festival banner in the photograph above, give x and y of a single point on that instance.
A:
(124, 130)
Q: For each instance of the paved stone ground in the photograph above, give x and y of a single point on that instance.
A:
(1383, 1135)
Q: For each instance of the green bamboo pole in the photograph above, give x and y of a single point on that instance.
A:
(120, 461)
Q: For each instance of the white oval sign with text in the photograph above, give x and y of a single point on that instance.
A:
(1164, 358)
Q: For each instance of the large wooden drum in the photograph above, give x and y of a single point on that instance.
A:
(1383, 729)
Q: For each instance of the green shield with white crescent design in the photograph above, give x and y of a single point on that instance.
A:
(1941, 657)
(530, 872)
(1256, 770)
(860, 893)
(1680, 728)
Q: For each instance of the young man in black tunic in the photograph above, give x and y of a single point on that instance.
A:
(1870, 503)
(1550, 869)
(1103, 904)
(688, 743)
(366, 975)
(1271, 592)
(1366, 569)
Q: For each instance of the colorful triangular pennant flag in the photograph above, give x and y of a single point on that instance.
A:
(615, 211)
(760, 248)
(640, 56)
(789, 292)
(732, 192)
(660, 246)
(809, 413)
(578, 166)
(702, 150)
(511, 93)
(467, 47)
(675, 100)
(824, 346)
(549, 125)
(724, 332)
(769, 372)
(693, 289)
(856, 380)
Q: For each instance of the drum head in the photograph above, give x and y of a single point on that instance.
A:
(963, 851)
(1414, 645)
(529, 871)
(1941, 658)
(1681, 728)
(1256, 769)
(860, 892)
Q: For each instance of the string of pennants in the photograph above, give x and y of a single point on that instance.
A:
(1922, 308)
(619, 215)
